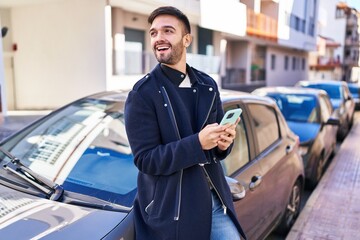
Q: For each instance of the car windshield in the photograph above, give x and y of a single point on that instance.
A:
(84, 148)
(334, 91)
(354, 90)
(297, 107)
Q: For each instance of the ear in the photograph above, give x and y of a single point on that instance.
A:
(187, 40)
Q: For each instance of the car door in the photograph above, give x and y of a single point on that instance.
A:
(273, 153)
(241, 167)
(349, 103)
(328, 131)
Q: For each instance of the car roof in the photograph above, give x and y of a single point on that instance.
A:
(225, 94)
(289, 90)
(231, 95)
(114, 95)
(328, 82)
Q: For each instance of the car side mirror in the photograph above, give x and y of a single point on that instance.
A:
(237, 190)
(333, 121)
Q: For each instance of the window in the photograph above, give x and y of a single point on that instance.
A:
(294, 63)
(134, 48)
(265, 125)
(346, 93)
(325, 108)
(205, 41)
(287, 18)
(303, 61)
(273, 62)
(297, 23)
(286, 63)
(311, 30)
(239, 155)
(339, 13)
(303, 24)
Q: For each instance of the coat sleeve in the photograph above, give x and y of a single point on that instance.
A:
(219, 154)
(151, 155)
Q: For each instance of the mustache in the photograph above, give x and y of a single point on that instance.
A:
(160, 42)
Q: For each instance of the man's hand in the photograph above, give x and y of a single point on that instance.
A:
(230, 133)
(215, 135)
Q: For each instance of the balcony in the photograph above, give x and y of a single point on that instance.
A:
(351, 61)
(352, 41)
(352, 21)
(234, 78)
(325, 63)
(262, 26)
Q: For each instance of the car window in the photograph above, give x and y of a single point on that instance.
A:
(296, 107)
(265, 125)
(354, 90)
(239, 155)
(346, 92)
(334, 91)
(325, 108)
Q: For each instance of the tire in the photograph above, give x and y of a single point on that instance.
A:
(317, 172)
(292, 209)
(343, 131)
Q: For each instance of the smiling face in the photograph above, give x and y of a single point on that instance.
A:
(169, 41)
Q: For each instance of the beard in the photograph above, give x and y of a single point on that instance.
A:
(173, 56)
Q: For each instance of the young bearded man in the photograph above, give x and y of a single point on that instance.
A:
(171, 119)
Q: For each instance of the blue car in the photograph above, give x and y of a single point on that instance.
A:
(309, 114)
(341, 100)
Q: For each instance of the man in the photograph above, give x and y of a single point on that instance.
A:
(172, 117)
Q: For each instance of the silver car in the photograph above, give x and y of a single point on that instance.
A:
(70, 175)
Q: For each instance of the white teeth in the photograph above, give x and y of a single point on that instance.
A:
(162, 48)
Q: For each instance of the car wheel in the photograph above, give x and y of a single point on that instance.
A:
(343, 131)
(317, 172)
(292, 210)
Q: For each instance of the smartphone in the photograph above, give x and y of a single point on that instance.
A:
(231, 116)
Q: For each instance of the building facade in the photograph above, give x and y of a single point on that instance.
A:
(59, 50)
(337, 55)
(243, 44)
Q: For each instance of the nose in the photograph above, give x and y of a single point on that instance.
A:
(158, 36)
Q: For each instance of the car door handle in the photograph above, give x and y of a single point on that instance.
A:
(289, 149)
(255, 182)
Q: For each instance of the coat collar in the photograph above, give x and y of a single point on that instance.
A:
(206, 92)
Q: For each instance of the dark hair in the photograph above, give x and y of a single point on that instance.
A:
(169, 10)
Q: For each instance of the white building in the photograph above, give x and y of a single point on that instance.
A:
(337, 55)
(59, 50)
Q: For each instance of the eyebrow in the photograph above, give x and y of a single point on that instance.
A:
(162, 27)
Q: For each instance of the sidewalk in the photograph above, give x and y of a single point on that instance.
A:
(333, 209)
(15, 120)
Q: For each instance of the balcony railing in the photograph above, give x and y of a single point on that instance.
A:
(351, 61)
(324, 63)
(262, 26)
(352, 21)
(134, 63)
(234, 78)
(352, 41)
(258, 75)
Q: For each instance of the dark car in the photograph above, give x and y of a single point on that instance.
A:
(308, 113)
(341, 100)
(70, 175)
(355, 93)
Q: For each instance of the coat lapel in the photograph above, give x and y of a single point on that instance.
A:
(206, 98)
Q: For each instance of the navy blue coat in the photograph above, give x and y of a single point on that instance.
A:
(174, 200)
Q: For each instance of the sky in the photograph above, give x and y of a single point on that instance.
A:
(353, 3)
